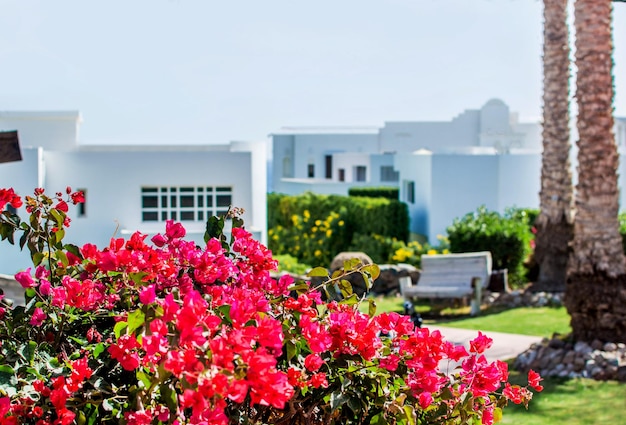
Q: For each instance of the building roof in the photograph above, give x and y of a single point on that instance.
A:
(286, 131)
(40, 115)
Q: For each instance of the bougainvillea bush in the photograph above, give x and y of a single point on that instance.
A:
(167, 332)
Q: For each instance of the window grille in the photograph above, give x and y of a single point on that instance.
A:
(185, 203)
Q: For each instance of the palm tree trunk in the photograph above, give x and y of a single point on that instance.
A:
(554, 223)
(596, 283)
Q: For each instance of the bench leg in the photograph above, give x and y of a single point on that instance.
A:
(477, 298)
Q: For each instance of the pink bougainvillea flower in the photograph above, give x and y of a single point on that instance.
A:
(25, 279)
(313, 362)
(534, 379)
(480, 343)
(62, 206)
(8, 196)
(319, 380)
(174, 230)
(38, 317)
(77, 197)
(147, 295)
(425, 399)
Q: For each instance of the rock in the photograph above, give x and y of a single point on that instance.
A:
(582, 348)
(610, 347)
(597, 344)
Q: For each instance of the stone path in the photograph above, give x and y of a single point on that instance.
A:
(505, 346)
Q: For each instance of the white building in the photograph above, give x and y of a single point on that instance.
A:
(443, 169)
(130, 188)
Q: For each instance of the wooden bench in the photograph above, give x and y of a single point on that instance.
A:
(451, 276)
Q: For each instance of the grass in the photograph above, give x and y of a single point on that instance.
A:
(572, 402)
(536, 321)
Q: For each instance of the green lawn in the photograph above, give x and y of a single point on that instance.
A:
(571, 402)
(539, 321)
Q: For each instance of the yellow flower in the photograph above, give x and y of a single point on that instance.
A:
(432, 252)
(314, 229)
(318, 222)
(341, 223)
(318, 253)
(328, 233)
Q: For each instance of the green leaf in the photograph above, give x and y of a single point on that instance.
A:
(373, 270)
(61, 256)
(497, 415)
(73, 249)
(6, 369)
(299, 287)
(225, 311)
(27, 351)
(59, 235)
(118, 328)
(292, 350)
(59, 217)
(79, 341)
(371, 310)
(410, 414)
(36, 256)
(135, 320)
(351, 300)
(318, 272)
(23, 239)
(98, 349)
(352, 264)
(144, 379)
(345, 287)
(214, 228)
(379, 419)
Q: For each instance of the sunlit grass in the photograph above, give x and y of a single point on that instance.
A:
(572, 402)
(536, 321)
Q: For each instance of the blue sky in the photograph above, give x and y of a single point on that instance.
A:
(208, 71)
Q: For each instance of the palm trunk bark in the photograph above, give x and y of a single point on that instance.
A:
(596, 283)
(554, 223)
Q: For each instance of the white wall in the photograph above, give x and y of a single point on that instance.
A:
(114, 175)
(113, 180)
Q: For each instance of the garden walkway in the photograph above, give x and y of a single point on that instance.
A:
(505, 346)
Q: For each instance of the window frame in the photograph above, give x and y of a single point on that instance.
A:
(188, 203)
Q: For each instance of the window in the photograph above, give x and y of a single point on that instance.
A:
(342, 175)
(360, 173)
(329, 166)
(409, 187)
(388, 174)
(287, 170)
(187, 203)
(311, 171)
(81, 209)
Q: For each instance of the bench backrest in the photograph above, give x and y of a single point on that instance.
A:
(455, 269)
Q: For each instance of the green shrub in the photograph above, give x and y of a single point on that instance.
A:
(392, 193)
(314, 228)
(507, 237)
(385, 250)
(290, 264)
